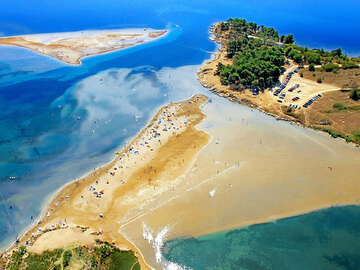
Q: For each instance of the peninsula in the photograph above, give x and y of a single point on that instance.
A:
(193, 171)
(311, 87)
(70, 47)
(91, 209)
(175, 180)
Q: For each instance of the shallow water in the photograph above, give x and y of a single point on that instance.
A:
(284, 175)
(43, 143)
(326, 239)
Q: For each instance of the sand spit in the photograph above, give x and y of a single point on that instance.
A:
(240, 168)
(96, 206)
(254, 170)
(70, 47)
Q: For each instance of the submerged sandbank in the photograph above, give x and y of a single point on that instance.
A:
(95, 206)
(70, 47)
(254, 170)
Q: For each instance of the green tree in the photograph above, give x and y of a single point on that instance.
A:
(224, 26)
(312, 57)
(349, 65)
(311, 67)
(289, 39)
(330, 67)
(355, 94)
(298, 57)
(336, 52)
(220, 67)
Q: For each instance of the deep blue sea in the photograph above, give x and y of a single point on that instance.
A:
(42, 142)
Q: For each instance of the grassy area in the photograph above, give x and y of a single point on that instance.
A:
(353, 137)
(337, 107)
(101, 257)
(356, 135)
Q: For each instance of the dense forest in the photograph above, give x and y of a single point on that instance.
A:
(257, 60)
(258, 55)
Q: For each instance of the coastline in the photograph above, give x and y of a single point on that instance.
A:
(264, 101)
(65, 194)
(221, 152)
(226, 162)
(71, 47)
(253, 176)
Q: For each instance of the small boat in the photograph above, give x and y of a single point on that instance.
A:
(12, 178)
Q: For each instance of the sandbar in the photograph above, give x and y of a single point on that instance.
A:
(255, 169)
(70, 47)
(97, 205)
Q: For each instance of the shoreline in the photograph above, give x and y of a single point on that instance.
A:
(246, 194)
(270, 107)
(71, 47)
(73, 187)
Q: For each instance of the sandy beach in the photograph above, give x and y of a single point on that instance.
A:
(251, 173)
(96, 206)
(70, 47)
(234, 169)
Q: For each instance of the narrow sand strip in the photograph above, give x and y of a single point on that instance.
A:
(70, 47)
(95, 206)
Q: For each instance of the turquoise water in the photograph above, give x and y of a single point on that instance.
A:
(326, 239)
(43, 144)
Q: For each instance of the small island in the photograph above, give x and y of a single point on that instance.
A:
(70, 47)
(311, 87)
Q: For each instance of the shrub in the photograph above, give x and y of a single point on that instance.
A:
(301, 74)
(319, 80)
(330, 67)
(349, 65)
(355, 94)
(338, 106)
(311, 67)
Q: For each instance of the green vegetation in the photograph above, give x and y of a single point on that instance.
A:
(349, 65)
(102, 257)
(355, 94)
(256, 61)
(331, 60)
(356, 135)
(258, 55)
(289, 39)
(330, 67)
(338, 106)
(336, 134)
